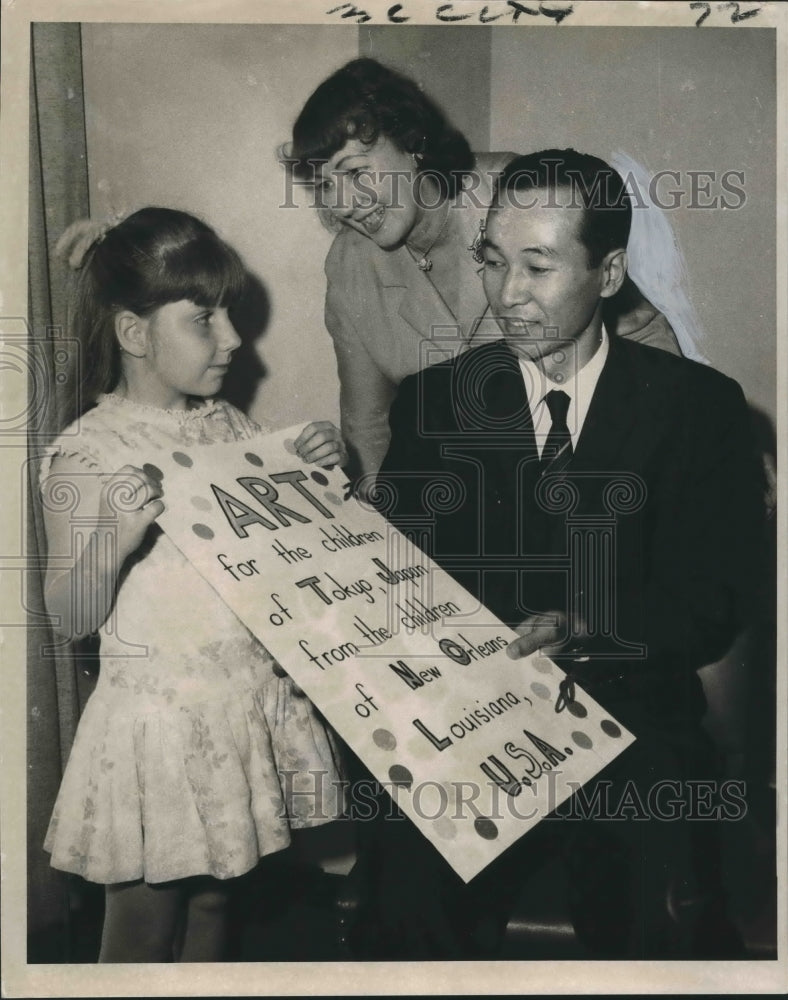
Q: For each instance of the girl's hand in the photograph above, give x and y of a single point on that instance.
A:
(321, 442)
(130, 500)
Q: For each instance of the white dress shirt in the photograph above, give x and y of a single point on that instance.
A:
(579, 386)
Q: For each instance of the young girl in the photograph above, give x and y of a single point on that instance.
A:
(174, 784)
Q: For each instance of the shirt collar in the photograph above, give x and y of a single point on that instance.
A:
(580, 386)
(580, 389)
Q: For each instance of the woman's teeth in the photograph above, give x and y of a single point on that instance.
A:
(374, 220)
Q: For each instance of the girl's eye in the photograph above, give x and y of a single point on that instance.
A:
(204, 318)
(493, 265)
(538, 270)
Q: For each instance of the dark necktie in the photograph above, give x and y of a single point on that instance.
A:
(558, 447)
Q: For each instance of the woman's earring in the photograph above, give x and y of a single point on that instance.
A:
(476, 246)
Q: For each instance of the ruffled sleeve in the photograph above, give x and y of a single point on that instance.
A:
(70, 445)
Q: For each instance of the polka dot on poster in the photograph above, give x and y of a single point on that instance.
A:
(400, 775)
(583, 741)
(540, 690)
(334, 499)
(609, 728)
(384, 739)
(445, 828)
(153, 471)
(486, 829)
(543, 665)
(201, 503)
(320, 478)
(568, 751)
(289, 446)
(182, 459)
(575, 708)
(202, 531)
(253, 459)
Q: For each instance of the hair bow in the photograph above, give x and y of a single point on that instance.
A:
(81, 235)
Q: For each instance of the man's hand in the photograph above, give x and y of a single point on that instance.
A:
(536, 632)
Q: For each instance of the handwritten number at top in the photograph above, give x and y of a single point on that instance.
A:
(737, 14)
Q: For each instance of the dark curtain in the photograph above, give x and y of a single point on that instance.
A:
(58, 189)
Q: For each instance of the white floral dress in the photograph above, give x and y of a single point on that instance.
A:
(192, 755)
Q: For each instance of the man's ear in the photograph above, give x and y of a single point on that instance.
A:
(614, 270)
(132, 333)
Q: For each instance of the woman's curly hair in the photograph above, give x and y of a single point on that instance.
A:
(364, 100)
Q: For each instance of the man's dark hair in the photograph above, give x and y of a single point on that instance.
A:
(591, 184)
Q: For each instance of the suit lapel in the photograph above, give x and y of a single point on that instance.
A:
(507, 450)
(497, 374)
(611, 417)
(490, 410)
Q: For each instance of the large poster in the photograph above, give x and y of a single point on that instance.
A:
(411, 671)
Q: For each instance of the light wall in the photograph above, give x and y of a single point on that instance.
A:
(191, 116)
(672, 100)
(453, 67)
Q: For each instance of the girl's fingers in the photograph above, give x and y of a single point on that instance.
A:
(332, 460)
(131, 489)
(318, 428)
(147, 482)
(328, 453)
(152, 510)
(318, 441)
(146, 490)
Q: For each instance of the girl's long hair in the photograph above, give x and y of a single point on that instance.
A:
(151, 258)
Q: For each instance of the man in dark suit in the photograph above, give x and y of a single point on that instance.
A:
(600, 496)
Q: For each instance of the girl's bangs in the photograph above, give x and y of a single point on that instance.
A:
(207, 272)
